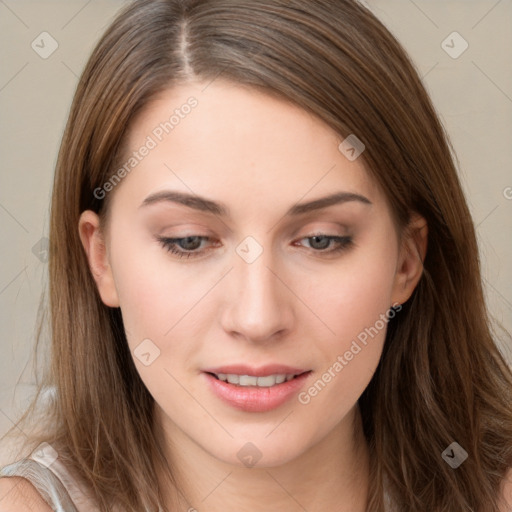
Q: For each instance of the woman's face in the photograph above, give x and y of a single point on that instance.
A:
(268, 279)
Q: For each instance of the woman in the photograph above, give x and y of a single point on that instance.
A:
(265, 291)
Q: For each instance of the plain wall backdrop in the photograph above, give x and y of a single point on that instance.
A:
(462, 50)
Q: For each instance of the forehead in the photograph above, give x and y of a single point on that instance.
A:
(229, 141)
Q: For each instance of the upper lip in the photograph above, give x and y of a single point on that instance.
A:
(261, 371)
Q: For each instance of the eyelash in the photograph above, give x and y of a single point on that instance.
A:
(344, 242)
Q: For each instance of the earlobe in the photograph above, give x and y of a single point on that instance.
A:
(410, 262)
(94, 245)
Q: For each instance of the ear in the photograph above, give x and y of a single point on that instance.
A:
(410, 261)
(94, 245)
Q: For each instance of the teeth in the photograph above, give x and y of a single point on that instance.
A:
(248, 380)
(251, 380)
(233, 379)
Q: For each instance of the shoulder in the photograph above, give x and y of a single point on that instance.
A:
(506, 493)
(17, 494)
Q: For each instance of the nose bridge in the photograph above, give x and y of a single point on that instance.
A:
(257, 283)
(258, 306)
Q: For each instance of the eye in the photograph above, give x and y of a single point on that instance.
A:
(320, 242)
(190, 246)
(185, 246)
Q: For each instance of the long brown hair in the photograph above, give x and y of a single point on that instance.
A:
(441, 378)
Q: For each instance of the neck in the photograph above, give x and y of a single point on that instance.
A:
(331, 475)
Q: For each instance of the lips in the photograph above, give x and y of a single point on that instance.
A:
(253, 389)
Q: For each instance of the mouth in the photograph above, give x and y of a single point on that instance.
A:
(255, 390)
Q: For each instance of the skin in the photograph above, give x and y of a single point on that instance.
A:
(259, 156)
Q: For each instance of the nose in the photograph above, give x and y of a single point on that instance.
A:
(259, 307)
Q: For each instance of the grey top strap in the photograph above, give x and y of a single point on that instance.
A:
(44, 480)
(58, 485)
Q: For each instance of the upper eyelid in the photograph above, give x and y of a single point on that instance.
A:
(343, 227)
(208, 237)
(193, 224)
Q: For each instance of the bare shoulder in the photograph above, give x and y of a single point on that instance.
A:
(17, 494)
(506, 493)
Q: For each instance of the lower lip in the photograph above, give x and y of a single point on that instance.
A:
(256, 399)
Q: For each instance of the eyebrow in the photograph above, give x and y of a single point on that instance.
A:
(207, 205)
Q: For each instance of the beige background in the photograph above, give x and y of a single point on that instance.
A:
(473, 95)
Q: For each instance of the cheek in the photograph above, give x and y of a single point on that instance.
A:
(352, 295)
(144, 305)
(148, 287)
(355, 304)
(159, 301)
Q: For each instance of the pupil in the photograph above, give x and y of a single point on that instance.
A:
(321, 245)
(190, 243)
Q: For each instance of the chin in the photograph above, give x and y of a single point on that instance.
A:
(259, 452)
